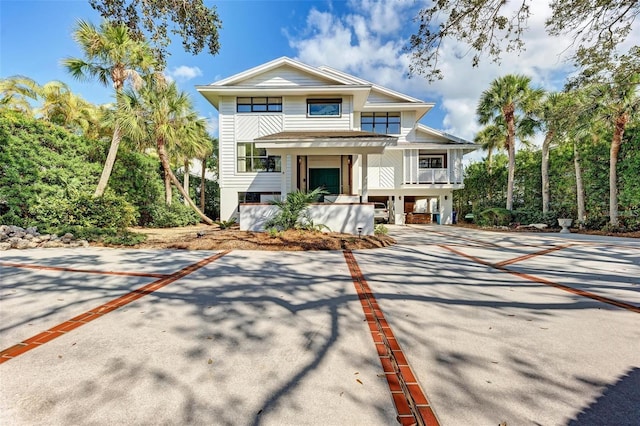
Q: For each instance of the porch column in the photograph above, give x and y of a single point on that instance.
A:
(449, 165)
(398, 208)
(364, 195)
(285, 182)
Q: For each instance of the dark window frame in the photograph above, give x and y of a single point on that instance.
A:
(257, 163)
(376, 120)
(324, 101)
(428, 161)
(250, 104)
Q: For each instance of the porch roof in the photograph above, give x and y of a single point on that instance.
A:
(354, 140)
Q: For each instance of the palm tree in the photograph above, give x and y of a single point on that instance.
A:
(187, 150)
(552, 113)
(62, 107)
(16, 91)
(211, 154)
(164, 115)
(505, 97)
(111, 56)
(618, 101)
(491, 138)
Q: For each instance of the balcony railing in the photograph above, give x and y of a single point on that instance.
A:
(432, 176)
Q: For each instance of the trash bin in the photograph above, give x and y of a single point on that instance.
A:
(436, 218)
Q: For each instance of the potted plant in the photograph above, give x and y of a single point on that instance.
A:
(564, 220)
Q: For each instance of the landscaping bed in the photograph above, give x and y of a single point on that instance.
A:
(205, 237)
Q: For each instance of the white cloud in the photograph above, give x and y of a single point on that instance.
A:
(184, 73)
(212, 124)
(368, 41)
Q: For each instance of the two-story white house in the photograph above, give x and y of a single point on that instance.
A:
(286, 126)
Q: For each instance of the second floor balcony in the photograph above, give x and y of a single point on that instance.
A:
(435, 168)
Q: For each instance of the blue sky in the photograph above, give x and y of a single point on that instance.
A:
(361, 37)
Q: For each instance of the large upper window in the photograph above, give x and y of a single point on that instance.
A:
(387, 123)
(430, 161)
(252, 159)
(324, 107)
(259, 105)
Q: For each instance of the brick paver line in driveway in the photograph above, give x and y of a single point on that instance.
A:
(99, 311)
(294, 338)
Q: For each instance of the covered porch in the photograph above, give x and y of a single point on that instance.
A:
(333, 160)
(336, 161)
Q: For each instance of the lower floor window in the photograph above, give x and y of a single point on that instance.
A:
(252, 159)
(257, 197)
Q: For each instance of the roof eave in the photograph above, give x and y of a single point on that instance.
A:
(212, 93)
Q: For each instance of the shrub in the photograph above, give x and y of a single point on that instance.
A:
(83, 210)
(177, 214)
(495, 216)
(526, 217)
(380, 229)
(125, 238)
(226, 224)
(290, 214)
(596, 222)
(136, 177)
(107, 211)
(630, 223)
(273, 232)
(111, 236)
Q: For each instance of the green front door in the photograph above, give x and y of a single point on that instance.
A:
(329, 179)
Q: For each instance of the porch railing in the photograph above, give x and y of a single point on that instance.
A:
(431, 176)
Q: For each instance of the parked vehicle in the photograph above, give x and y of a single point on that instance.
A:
(381, 213)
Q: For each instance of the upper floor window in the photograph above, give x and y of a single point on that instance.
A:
(324, 107)
(259, 104)
(252, 159)
(430, 161)
(386, 123)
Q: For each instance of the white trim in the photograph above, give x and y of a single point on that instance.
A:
(275, 64)
(441, 134)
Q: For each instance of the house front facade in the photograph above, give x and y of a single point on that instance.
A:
(287, 126)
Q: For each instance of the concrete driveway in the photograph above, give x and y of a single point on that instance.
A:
(450, 326)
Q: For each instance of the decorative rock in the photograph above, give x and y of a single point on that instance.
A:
(16, 237)
(22, 244)
(53, 244)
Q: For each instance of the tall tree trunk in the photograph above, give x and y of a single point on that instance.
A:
(185, 179)
(173, 179)
(545, 170)
(168, 194)
(202, 185)
(577, 162)
(511, 150)
(109, 162)
(618, 133)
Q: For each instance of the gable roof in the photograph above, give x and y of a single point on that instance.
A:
(430, 138)
(277, 63)
(441, 135)
(329, 81)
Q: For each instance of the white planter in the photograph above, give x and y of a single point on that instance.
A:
(565, 224)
